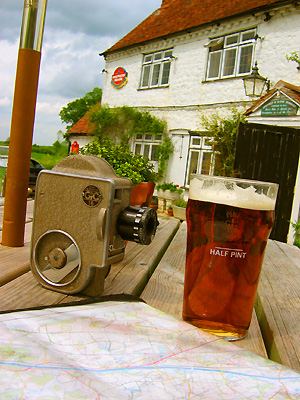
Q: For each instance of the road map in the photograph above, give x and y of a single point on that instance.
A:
(128, 350)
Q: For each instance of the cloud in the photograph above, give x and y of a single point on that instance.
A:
(75, 33)
(5, 101)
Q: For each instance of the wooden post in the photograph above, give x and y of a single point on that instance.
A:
(22, 122)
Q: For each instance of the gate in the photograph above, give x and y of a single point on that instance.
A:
(270, 153)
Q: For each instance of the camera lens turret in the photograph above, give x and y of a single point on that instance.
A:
(137, 224)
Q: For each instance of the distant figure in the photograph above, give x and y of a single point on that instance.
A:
(75, 147)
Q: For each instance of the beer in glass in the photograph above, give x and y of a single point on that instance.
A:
(228, 224)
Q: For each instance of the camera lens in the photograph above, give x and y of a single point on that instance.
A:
(137, 224)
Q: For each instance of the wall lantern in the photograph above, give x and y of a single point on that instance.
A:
(255, 83)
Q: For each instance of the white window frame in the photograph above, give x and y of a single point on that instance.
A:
(220, 45)
(201, 148)
(152, 62)
(147, 139)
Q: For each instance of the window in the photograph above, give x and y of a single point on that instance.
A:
(200, 156)
(147, 145)
(156, 69)
(231, 55)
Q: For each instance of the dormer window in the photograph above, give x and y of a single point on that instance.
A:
(231, 55)
(156, 69)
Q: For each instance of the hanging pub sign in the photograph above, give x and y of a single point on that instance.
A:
(279, 107)
(119, 78)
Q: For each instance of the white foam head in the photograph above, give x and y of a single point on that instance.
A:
(235, 196)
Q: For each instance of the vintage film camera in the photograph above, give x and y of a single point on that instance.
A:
(82, 220)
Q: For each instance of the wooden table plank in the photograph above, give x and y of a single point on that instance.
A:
(133, 273)
(15, 261)
(128, 276)
(165, 290)
(278, 303)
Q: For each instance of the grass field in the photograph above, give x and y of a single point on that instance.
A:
(48, 156)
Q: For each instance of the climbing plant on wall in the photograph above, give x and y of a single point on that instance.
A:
(223, 132)
(123, 123)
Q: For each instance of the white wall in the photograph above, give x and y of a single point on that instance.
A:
(81, 140)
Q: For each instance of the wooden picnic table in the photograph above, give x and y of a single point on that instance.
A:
(274, 331)
(156, 274)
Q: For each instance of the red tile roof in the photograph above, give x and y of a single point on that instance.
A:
(290, 90)
(84, 126)
(179, 15)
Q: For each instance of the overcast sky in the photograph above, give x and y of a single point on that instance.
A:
(75, 33)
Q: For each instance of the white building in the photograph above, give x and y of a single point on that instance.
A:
(188, 59)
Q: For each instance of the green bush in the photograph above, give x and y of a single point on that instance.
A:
(296, 226)
(124, 162)
(180, 203)
(169, 186)
(223, 133)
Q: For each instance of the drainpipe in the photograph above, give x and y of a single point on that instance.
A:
(22, 122)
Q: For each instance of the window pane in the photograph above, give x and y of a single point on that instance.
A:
(155, 74)
(154, 153)
(229, 62)
(206, 160)
(245, 59)
(196, 141)
(146, 73)
(148, 136)
(193, 164)
(158, 137)
(138, 148)
(148, 58)
(157, 56)
(248, 35)
(168, 53)
(230, 40)
(214, 64)
(146, 150)
(139, 136)
(165, 73)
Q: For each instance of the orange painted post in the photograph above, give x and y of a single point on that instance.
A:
(22, 122)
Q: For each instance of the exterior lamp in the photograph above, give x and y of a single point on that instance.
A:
(255, 83)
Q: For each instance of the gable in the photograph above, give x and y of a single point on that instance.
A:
(84, 126)
(175, 16)
(281, 101)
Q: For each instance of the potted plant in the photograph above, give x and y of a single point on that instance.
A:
(126, 164)
(169, 191)
(154, 203)
(170, 210)
(179, 209)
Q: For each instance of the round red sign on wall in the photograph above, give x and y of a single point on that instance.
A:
(119, 78)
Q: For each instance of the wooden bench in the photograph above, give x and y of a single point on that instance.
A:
(274, 330)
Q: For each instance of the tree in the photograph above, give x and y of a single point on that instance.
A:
(76, 109)
(223, 132)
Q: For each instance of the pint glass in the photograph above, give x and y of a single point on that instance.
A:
(228, 224)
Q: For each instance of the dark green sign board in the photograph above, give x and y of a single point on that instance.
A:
(279, 107)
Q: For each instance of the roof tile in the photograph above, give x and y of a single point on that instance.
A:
(179, 15)
(84, 126)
